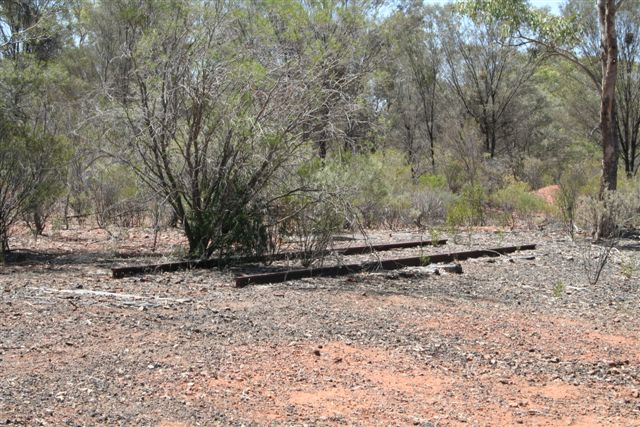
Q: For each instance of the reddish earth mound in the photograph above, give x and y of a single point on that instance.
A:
(549, 193)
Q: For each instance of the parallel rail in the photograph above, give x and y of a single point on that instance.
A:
(390, 264)
(120, 272)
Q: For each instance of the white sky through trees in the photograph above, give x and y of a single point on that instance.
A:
(554, 5)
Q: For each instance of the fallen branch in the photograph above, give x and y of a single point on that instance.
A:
(91, 293)
(120, 272)
(391, 264)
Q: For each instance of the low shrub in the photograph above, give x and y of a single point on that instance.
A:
(431, 200)
(30, 163)
(573, 185)
(386, 195)
(536, 172)
(515, 200)
(468, 209)
(117, 197)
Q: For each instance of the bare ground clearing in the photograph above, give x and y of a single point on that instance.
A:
(510, 341)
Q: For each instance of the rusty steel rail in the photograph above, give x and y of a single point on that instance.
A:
(120, 272)
(391, 264)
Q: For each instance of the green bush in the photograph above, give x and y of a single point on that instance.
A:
(629, 193)
(573, 184)
(378, 187)
(621, 208)
(468, 209)
(313, 221)
(30, 165)
(116, 195)
(239, 227)
(52, 169)
(431, 200)
(433, 182)
(515, 199)
(375, 190)
(386, 195)
(535, 172)
(320, 208)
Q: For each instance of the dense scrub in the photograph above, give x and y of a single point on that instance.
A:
(249, 123)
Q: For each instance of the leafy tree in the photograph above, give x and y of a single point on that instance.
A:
(489, 74)
(338, 42)
(213, 115)
(413, 90)
(628, 81)
(33, 154)
(628, 87)
(29, 170)
(32, 27)
(559, 36)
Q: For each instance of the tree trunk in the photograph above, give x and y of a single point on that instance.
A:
(411, 155)
(433, 154)
(608, 128)
(632, 152)
(4, 241)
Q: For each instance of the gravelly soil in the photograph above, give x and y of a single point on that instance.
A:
(512, 340)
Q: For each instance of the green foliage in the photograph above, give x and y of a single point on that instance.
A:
(431, 199)
(621, 208)
(52, 182)
(628, 270)
(559, 289)
(319, 208)
(464, 161)
(381, 189)
(433, 182)
(514, 15)
(238, 228)
(410, 83)
(115, 193)
(381, 181)
(435, 235)
(536, 172)
(628, 196)
(30, 173)
(313, 218)
(468, 209)
(378, 187)
(516, 200)
(572, 185)
(516, 196)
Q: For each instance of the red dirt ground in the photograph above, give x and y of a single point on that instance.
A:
(491, 347)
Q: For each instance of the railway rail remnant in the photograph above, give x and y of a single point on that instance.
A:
(120, 272)
(389, 264)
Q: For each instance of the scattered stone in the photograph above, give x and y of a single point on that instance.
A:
(408, 335)
(453, 268)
